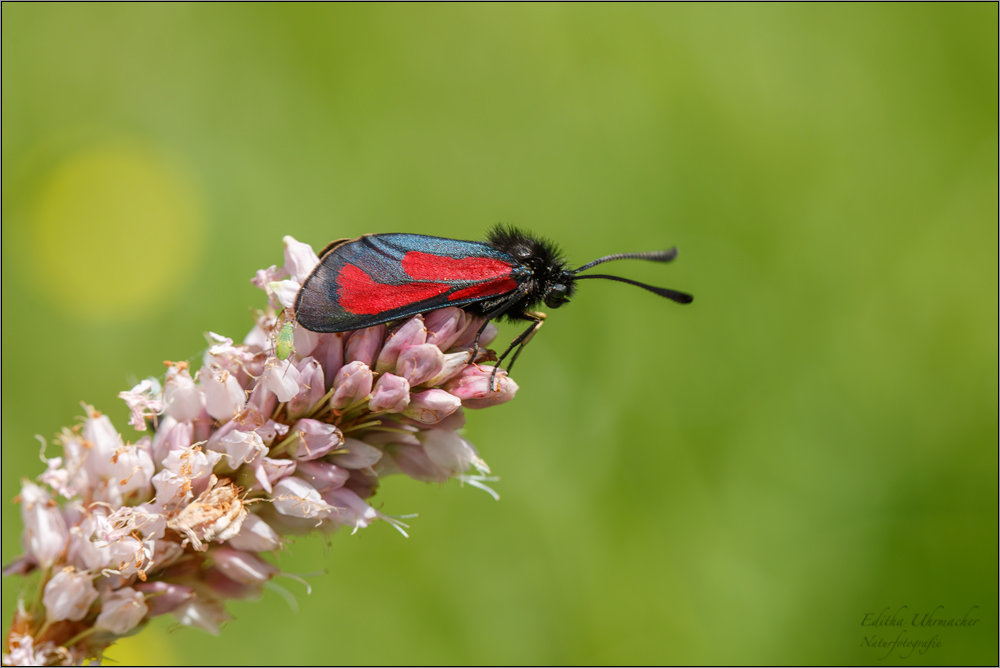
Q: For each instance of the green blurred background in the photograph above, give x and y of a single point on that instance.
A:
(736, 481)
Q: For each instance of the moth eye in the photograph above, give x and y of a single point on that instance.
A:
(555, 296)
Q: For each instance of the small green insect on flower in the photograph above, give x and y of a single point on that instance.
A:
(283, 345)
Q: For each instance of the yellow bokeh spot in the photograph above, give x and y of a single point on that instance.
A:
(115, 230)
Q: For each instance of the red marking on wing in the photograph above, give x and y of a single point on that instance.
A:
(428, 267)
(485, 289)
(361, 295)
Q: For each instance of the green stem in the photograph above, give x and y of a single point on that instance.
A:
(79, 636)
(37, 604)
(321, 404)
(363, 425)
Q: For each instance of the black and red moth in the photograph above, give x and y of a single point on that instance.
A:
(378, 278)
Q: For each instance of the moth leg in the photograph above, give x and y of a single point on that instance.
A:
(537, 319)
(475, 344)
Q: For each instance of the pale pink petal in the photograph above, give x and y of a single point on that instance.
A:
(45, 535)
(419, 363)
(322, 475)
(69, 595)
(415, 463)
(391, 394)
(364, 345)
(300, 259)
(359, 455)
(312, 439)
(445, 325)
(143, 402)
(121, 610)
(472, 386)
(451, 452)
(352, 385)
(182, 399)
(255, 536)
(297, 498)
(163, 597)
(349, 509)
(281, 377)
(311, 388)
(412, 333)
(431, 406)
(284, 292)
(243, 567)
(223, 395)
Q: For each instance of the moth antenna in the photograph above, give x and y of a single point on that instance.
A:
(653, 256)
(679, 297)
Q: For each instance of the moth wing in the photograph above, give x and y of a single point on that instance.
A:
(378, 278)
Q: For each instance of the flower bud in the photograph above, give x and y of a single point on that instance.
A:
(412, 333)
(451, 452)
(472, 386)
(224, 587)
(352, 384)
(431, 406)
(329, 352)
(419, 363)
(121, 611)
(300, 259)
(311, 389)
(255, 535)
(297, 498)
(453, 422)
(243, 567)
(207, 615)
(312, 439)
(104, 441)
(182, 399)
(454, 363)
(364, 345)
(172, 435)
(69, 595)
(163, 597)
(414, 462)
(391, 395)
(45, 534)
(359, 455)
(445, 325)
(322, 475)
(468, 337)
(349, 509)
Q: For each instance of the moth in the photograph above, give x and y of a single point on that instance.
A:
(379, 278)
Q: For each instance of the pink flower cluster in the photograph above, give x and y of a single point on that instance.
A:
(246, 450)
